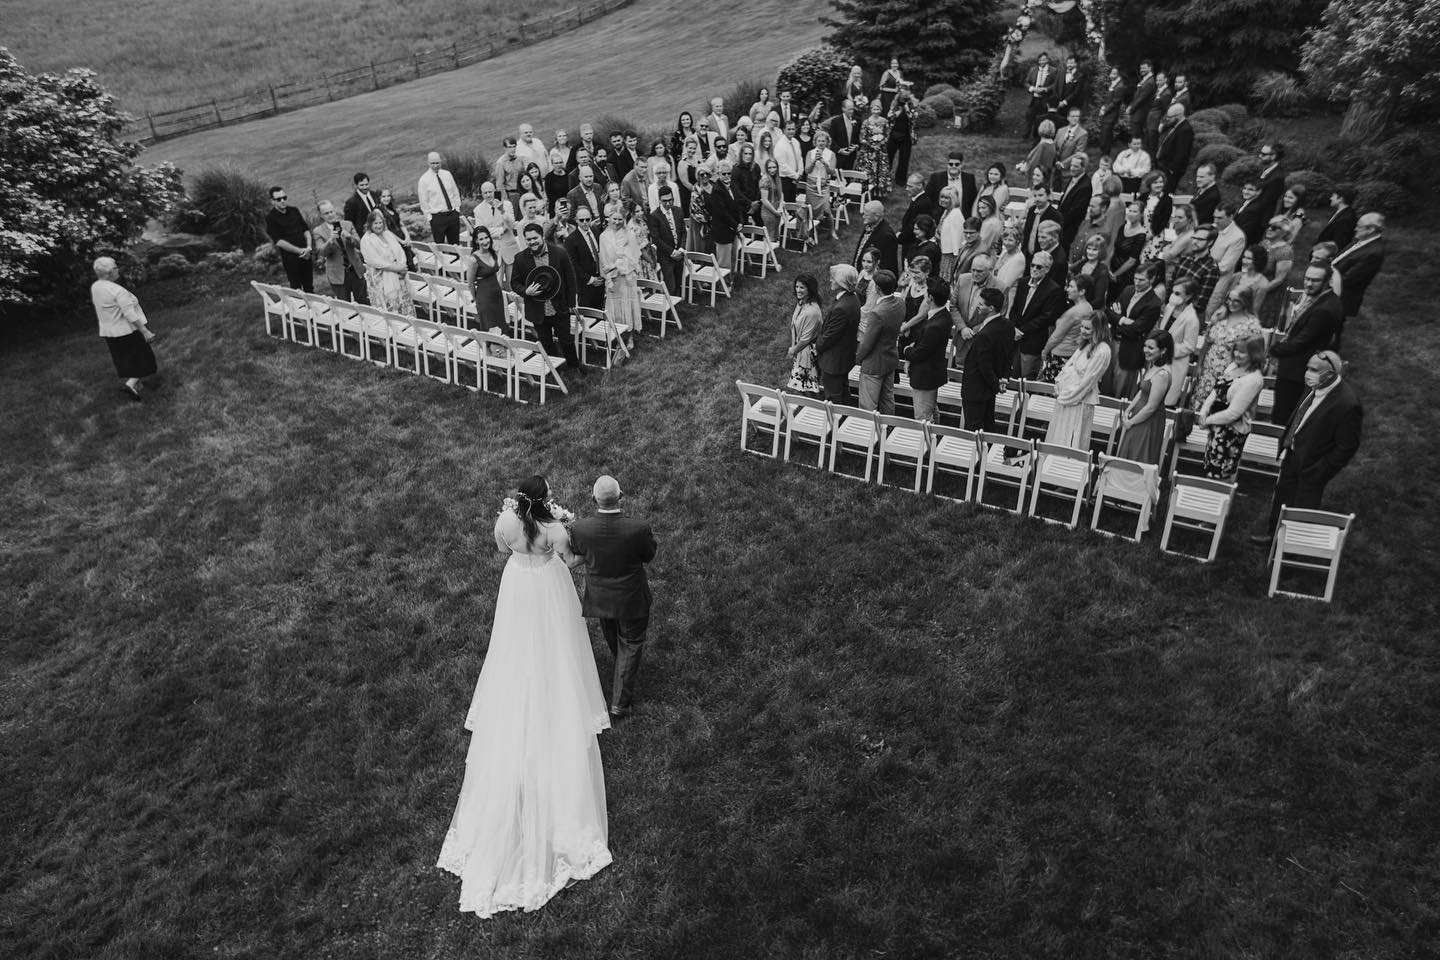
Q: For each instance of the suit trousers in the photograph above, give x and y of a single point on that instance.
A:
(671, 271)
(899, 147)
(626, 639)
(1293, 490)
(299, 271)
(877, 392)
(979, 414)
(1027, 365)
(549, 328)
(1288, 394)
(352, 288)
(925, 403)
(445, 227)
(836, 387)
(1126, 383)
(725, 258)
(1107, 133)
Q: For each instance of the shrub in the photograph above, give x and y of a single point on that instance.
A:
(1403, 159)
(1241, 169)
(227, 205)
(815, 76)
(740, 97)
(939, 90)
(1212, 116)
(1278, 94)
(980, 100)
(925, 116)
(1205, 138)
(941, 108)
(171, 265)
(1384, 197)
(1317, 185)
(1251, 133)
(469, 168)
(1236, 111)
(1220, 154)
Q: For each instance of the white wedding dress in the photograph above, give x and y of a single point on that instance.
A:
(531, 814)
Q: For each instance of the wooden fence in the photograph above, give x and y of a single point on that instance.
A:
(295, 94)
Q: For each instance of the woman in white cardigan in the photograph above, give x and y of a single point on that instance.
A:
(1183, 325)
(1230, 407)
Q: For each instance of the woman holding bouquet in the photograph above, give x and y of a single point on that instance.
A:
(870, 159)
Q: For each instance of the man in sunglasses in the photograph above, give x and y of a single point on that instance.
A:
(286, 227)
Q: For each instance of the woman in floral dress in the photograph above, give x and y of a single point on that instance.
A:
(804, 330)
(385, 267)
(1229, 407)
(870, 159)
(1233, 324)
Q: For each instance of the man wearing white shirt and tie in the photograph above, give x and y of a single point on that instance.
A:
(787, 154)
(786, 110)
(719, 126)
(440, 201)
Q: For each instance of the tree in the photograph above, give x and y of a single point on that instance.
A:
(1379, 56)
(1222, 46)
(935, 40)
(68, 185)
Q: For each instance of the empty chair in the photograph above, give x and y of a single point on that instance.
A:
(795, 224)
(954, 451)
(1037, 409)
(900, 439)
(485, 354)
(1308, 540)
(656, 301)
(1261, 453)
(1199, 504)
(1105, 424)
(431, 343)
(406, 336)
(374, 328)
(422, 294)
(597, 327)
(1005, 461)
(1126, 485)
(852, 429)
(701, 271)
(808, 418)
(1060, 471)
(276, 307)
(321, 313)
(1189, 451)
(755, 248)
(761, 407)
(427, 258)
(534, 366)
(856, 189)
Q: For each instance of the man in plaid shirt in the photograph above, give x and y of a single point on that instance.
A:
(1197, 266)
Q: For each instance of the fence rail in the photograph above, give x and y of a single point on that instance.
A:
(294, 94)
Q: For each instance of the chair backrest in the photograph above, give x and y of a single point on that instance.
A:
(1322, 518)
(1005, 440)
(652, 286)
(855, 176)
(701, 259)
(268, 292)
(935, 431)
(1063, 452)
(892, 421)
(754, 391)
(752, 232)
(792, 400)
(425, 326)
(1135, 486)
(590, 313)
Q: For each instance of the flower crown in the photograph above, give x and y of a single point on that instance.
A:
(520, 505)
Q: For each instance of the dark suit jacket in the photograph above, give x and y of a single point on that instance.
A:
(1252, 218)
(666, 241)
(582, 261)
(572, 162)
(878, 353)
(1272, 188)
(882, 238)
(918, 206)
(1144, 98)
(1330, 436)
(1049, 213)
(1074, 205)
(356, 211)
(835, 345)
(927, 353)
(1034, 319)
(1309, 333)
(1144, 310)
(1204, 204)
(1070, 93)
(1173, 153)
(616, 549)
(578, 199)
(1115, 101)
(841, 141)
(1339, 229)
(939, 181)
(723, 213)
(564, 297)
(1356, 272)
(987, 362)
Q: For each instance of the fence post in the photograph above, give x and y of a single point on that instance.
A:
(455, 55)
(329, 95)
(153, 134)
(417, 64)
(219, 122)
(274, 100)
(374, 77)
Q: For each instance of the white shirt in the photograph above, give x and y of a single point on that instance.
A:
(1131, 163)
(1229, 245)
(116, 308)
(787, 154)
(432, 201)
(534, 152)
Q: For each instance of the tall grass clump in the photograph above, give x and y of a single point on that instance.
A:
(226, 204)
(469, 168)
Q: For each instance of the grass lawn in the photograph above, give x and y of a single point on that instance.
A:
(243, 620)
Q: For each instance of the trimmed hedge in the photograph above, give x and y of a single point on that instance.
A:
(1222, 155)
(1384, 197)
(942, 107)
(1207, 138)
(1241, 169)
(980, 99)
(1318, 186)
(817, 75)
(939, 90)
(925, 117)
(1212, 117)
(1237, 112)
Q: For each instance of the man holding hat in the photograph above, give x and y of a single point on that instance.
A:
(617, 592)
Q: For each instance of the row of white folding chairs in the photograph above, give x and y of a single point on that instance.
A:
(387, 339)
(1032, 468)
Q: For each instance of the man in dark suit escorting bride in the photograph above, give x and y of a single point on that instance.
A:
(615, 549)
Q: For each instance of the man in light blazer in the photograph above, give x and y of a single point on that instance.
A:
(878, 351)
(616, 549)
(338, 243)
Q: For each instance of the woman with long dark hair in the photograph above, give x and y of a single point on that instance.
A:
(804, 330)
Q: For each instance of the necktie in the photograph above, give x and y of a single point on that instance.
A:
(443, 192)
(590, 242)
(1298, 420)
(369, 204)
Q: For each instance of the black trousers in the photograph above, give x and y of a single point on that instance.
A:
(548, 328)
(1294, 490)
(1107, 131)
(1288, 394)
(626, 639)
(836, 387)
(671, 271)
(788, 189)
(445, 227)
(978, 414)
(899, 147)
(351, 288)
(299, 271)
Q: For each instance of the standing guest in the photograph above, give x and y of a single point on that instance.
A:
(385, 268)
(855, 86)
(1226, 251)
(661, 175)
(871, 159)
(1071, 141)
(1065, 338)
(582, 248)
(991, 226)
(1358, 264)
(632, 149)
(697, 225)
(1129, 244)
(1207, 194)
(395, 225)
(925, 245)
(560, 226)
(762, 106)
(986, 364)
(483, 277)
(792, 162)
(557, 178)
(1010, 264)
(1180, 84)
(1116, 99)
(495, 216)
(1272, 178)
(969, 249)
(667, 227)
(1229, 408)
(1038, 304)
(1198, 267)
(844, 131)
(290, 234)
(805, 136)
(961, 183)
(587, 192)
(1180, 237)
(508, 167)
(1276, 257)
(772, 199)
(1143, 421)
(339, 244)
(1175, 143)
(1252, 215)
(1040, 212)
(891, 83)
(618, 157)
(1040, 161)
(1319, 439)
(1095, 228)
(1077, 386)
(1251, 277)
(716, 120)
(649, 261)
(876, 352)
(805, 321)
(526, 189)
(865, 286)
(966, 302)
(723, 215)
(1059, 257)
(926, 354)
(996, 187)
(745, 184)
(123, 326)
(1104, 170)
(835, 346)
(821, 170)
(1138, 111)
(1229, 327)
(440, 200)
(532, 149)
(1114, 209)
(1340, 228)
(1132, 164)
(1158, 108)
(1093, 264)
(620, 266)
(547, 310)
(1317, 318)
(1179, 319)
(1292, 210)
(1158, 205)
(359, 204)
(1070, 95)
(951, 232)
(635, 186)
(876, 232)
(1135, 314)
(588, 146)
(1040, 84)
(902, 137)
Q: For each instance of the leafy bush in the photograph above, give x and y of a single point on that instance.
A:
(941, 108)
(1318, 186)
(1237, 112)
(1384, 197)
(740, 97)
(171, 265)
(1205, 138)
(1404, 159)
(1251, 133)
(939, 90)
(1279, 94)
(1241, 169)
(1222, 155)
(1214, 117)
(980, 100)
(815, 76)
(226, 204)
(925, 115)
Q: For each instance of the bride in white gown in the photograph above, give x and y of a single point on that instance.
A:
(531, 814)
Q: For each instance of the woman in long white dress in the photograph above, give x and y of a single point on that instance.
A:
(620, 265)
(1077, 388)
(531, 815)
(385, 267)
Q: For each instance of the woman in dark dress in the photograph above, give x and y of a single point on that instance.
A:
(902, 134)
(484, 279)
(805, 136)
(395, 225)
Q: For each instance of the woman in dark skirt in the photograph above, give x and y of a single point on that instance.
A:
(123, 325)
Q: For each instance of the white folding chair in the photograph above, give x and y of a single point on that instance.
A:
(1261, 454)
(1308, 540)
(320, 313)
(1189, 451)
(534, 366)
(1037, 409)
(276, 306)
(405, 336)
(423, 294)
(520, 328)
(948, 399)
(903, 439)
(753, 247)
(856, 189)
(1199, 504)
(656, 301)
(809, 418)
(702, 271)
(1060, 471)
(453, 299)
(427, 258)
(795, 221)
(1006, 461)
(431, 343)
(1129, 486)
(1105, 424)
(839, 207)
(852, 429)
(374, 327)
(954, 451)
(596, 326)
(453, 261)
(1010, 405)
(760, 406)
(484, 353)
(1265, 406)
